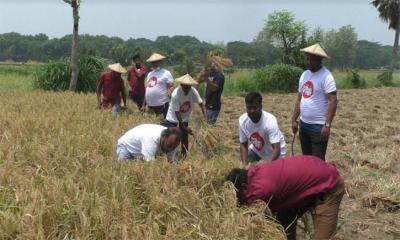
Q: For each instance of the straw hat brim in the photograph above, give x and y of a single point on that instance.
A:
(187, 80)
(315, 49)
(155, 58)
(117, 68)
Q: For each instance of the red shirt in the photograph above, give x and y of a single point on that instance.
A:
(136, 83)
(290, 183)
(111, 86)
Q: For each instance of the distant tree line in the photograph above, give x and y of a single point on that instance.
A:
(342, 45)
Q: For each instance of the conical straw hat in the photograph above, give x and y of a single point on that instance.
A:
(116, 67)
(315, 49)
(155, 57)
(187, 80)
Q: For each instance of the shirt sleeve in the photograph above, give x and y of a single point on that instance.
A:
(242, 134)
(274, 134)
(169, 80)
(149, 149)
(329, 84)
(196, 96)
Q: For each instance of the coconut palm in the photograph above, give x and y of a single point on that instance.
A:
(389, 11)
(74, 49)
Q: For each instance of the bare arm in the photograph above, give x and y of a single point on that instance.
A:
(244, 152)
(123, 95)
(296, 113)
(203, 111)
(332, 106)
(276, 152)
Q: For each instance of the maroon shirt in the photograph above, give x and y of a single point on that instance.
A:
(290, 183)
(137, 84)
(111, 87)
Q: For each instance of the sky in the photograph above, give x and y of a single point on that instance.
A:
(215, 21)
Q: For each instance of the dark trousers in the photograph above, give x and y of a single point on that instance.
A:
(311, 143)
(184, 137)
(138, 99)
(158, 110)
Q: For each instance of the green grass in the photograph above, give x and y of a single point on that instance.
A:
(16, 77)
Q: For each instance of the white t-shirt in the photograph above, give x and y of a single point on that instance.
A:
(261, 135)
(144, 141)
(182, 103)
(314, 102)
(158, 82)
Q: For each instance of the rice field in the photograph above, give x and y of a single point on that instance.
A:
(59, 177)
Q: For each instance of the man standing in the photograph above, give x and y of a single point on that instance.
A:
(110, 88)
(316, 104)
(261, 129)
(136, 76)
(179, 111)
(159, 86)
(146, 141)
(291, 186)
(215, 80)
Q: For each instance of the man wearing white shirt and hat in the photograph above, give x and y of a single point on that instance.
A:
(110, 89)
(146, 141)
(159, 86)
(316, 104)
(180, 109)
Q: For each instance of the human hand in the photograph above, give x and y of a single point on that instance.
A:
(325, 133)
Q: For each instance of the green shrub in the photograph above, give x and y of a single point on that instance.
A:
(56, 75)
(385, 79)
(276, 78)
(353, 79)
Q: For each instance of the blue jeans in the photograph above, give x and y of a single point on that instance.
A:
(212, 115)
(123, 153)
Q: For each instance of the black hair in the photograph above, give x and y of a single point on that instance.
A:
(239, 179)
(253, 98)
(172, 131)
(136, 56)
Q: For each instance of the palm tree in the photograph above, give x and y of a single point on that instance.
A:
(389, 11)
(74, 49)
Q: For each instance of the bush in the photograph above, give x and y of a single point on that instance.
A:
(353, 79)
(385, 79)
(277, 78)
(56, 75)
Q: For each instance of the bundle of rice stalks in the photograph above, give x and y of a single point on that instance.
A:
(212, 59)
(380, 202)
(207, 140)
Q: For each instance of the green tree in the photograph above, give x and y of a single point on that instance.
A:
(341, 45)
(74, 47)
(289, 35)
(389, 11)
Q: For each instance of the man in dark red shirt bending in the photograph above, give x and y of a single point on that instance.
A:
(291, 186)
(136, 76)
(110, 89)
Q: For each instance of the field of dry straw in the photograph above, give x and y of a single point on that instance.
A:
(59, 178)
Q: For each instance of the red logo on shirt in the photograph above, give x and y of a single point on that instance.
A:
(257, 141)
(307, 89)
(152, 82)
(185, 107)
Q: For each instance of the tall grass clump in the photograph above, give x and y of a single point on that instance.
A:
(278, 78)
(56, 75)
(385, 79)
(352, 79)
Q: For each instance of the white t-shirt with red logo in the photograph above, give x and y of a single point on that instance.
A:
(182, 103)
(314, 102)
(157, 84)
(261, 135)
